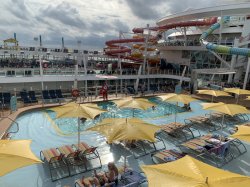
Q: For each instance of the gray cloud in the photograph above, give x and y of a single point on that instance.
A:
(145, 9)
(64, 13)
(19, 9)
(121, 26)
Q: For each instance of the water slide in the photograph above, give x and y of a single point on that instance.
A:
(221, 48)
(114, 48)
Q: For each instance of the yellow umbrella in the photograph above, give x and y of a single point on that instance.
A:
(230, 109)
(186, 99)
(87, 111)
(15, 154)
(130, 102)
(117, 129)
(213, 93)
(237, 91)
(243, 133)
(190, 172)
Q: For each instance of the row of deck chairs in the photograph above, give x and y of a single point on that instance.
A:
(213, 121)
(70, 160)
(127, 178)
(5, 99)
(213, 149)
(52, 95)
(141, 148)
(179, 131)
(28, 97)
(216, 149)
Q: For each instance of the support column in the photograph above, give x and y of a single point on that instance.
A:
(193, 81)
(246, 75)
(41, 70)
(145, 50)
(76, 76)
(185, 36)
(233, 61)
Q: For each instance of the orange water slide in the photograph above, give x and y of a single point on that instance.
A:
(204, 22)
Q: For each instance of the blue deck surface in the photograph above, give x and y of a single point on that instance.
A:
(38, 127)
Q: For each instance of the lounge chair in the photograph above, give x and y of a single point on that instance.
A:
(32, 96)
(88, 153)
(205, 122)
(75, 163)
(57, 163)
(123, 180)
(215, 148)
(179, 130)
(24, 97)
(141, 148)
(45, 96)
(167, 156)
(59, 94)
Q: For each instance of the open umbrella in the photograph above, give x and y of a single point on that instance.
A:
(87, 111)
(15, 154)
(237, 91)
(117, 129)
(243, 133)
(186, 99)
(190, 172)
(230, 109)
(213, 93)
(138, 103)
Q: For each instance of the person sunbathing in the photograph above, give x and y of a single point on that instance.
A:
(112, 174)
(92, 182)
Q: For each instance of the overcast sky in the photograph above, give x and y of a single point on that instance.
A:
(90, 21)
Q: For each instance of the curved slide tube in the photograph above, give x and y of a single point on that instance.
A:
(221, 48)
(114, 49)
(204, 22)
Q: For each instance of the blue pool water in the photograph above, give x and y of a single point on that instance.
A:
(69, 126)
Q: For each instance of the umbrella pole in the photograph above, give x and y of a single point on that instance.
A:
(222, 122)
(175, 117)
(212, 99)
(78, 123)
(237, 99)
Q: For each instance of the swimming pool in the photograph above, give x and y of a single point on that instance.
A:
(67, 126)
(37, 127)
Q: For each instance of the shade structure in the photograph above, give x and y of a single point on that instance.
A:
(213, 93)
(190, 172)
(117, 129)
(230, 109)
(243, 133)
(237, 91)
(138, 103)
(87, 111)
(15, 154)
(186, 99)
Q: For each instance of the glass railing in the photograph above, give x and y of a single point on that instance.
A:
(30, 72)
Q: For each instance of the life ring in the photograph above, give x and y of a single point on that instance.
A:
(45, 65)
(75, 93)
